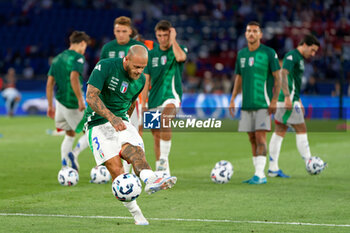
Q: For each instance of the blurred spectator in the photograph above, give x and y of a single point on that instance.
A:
(28, 72)
(208, 84)
(336, 90)
(10, 93)
(311, 87)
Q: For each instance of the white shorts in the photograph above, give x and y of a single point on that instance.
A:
(67, 119)
(106, 143)
(165, 103)
(254, 120)
(291, 117)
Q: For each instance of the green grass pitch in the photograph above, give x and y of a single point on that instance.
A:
(30, 161)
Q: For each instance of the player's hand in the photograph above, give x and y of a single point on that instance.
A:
(81, 105)
(272, 107)
(172, 35)
(118, 124)
(51, 112)
(232, 109)
(288, 103)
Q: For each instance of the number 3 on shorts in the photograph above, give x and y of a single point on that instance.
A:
(95, 139)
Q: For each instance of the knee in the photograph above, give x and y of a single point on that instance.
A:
(252, 139)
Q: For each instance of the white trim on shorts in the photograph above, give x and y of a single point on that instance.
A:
(106, 143)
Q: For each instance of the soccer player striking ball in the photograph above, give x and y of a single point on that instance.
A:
(119, 48)
(112, 88)
(163, 75)
(257, 76)
(289, 107)
(66, 72)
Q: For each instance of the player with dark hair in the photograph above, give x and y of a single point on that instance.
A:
(66, 73)
(112, 90)
(258, 78)
(289, 107)
(164, 86)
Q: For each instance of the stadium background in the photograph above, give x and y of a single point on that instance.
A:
(34, 31)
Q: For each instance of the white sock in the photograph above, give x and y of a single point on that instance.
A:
(147, 175)
(81, 145)
(66, 147)
(274, 151)
(126, 166)
(303, 146)
(254, 160)
(260, 162)
(165, 147)
(136, 212)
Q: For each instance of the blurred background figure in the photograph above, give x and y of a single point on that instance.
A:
(10, 93)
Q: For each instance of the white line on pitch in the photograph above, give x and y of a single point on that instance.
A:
(178, 219)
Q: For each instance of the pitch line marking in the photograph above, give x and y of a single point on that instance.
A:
(177, 219)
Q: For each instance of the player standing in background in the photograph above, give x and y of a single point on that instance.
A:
(289, 107)
(164, 75)
(66, 72)
(257, 76)
(113, 87)
(119, 48)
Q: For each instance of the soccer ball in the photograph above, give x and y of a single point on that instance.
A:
(221, 175)
(68, 176)
(126, 187)
(100, 175)
(315, 165)
(225, 163)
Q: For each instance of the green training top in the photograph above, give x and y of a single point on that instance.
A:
(293, 61)
(255, 68)
(166, 76)
(114, 50)
(118, 90)
(62, 65)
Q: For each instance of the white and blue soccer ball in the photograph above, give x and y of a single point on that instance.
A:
(68, 176)
(126, 187)
(225, 163)
(221, 175)
(100, 175)
(315, 165)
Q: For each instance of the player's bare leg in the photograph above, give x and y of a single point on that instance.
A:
(259, 156)
(135, 155)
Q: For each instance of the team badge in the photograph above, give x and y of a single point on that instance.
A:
(111, 54)
(124, 87)
(251, 61)
(163, 60)
(121, 54)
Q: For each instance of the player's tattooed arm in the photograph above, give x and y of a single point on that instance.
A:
(96, 104)
(135, 156)
(285, 89)
(277, 85)
(131, 109)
